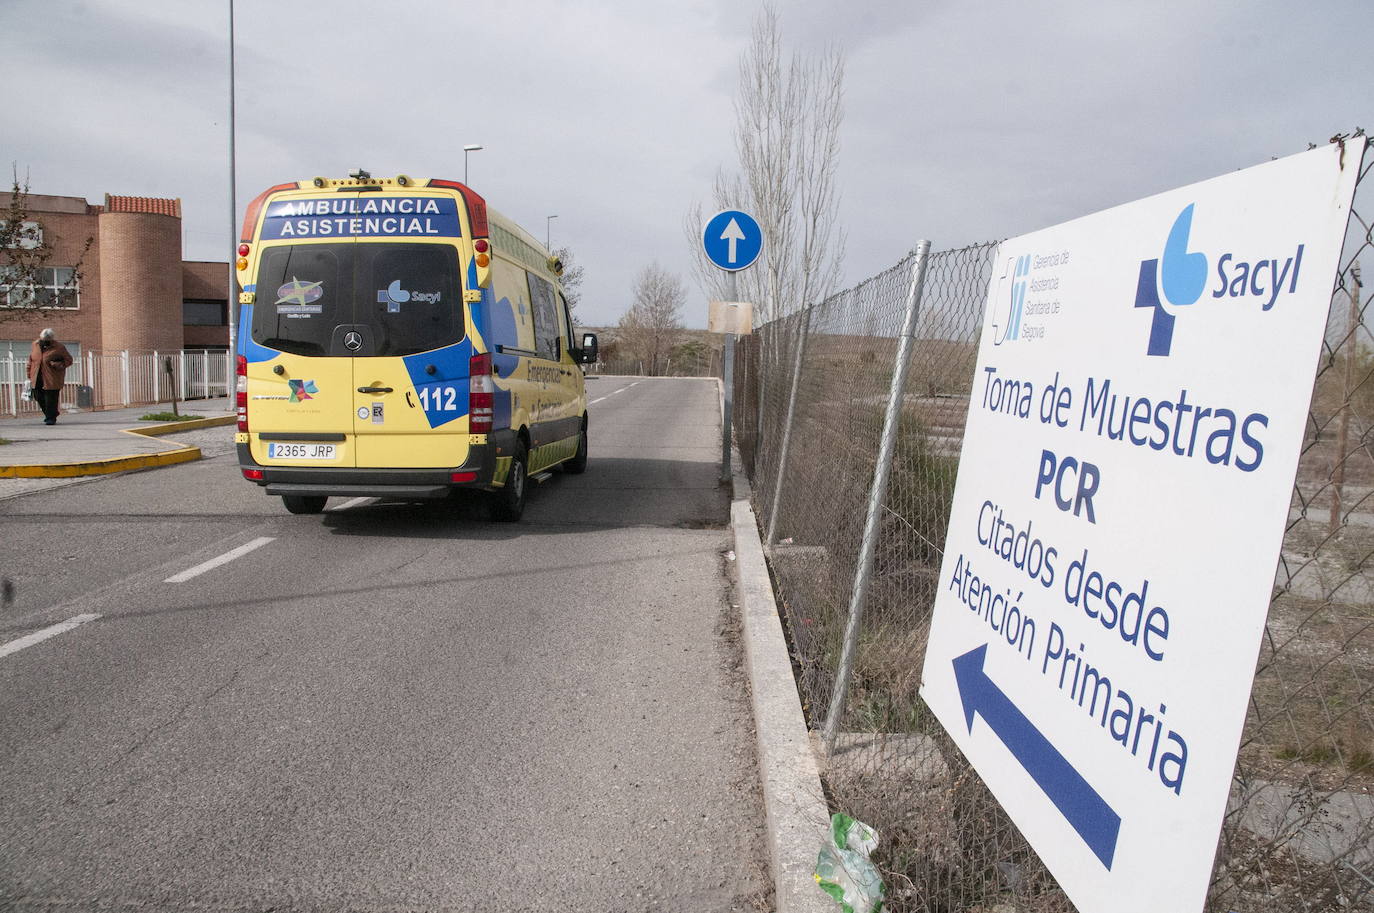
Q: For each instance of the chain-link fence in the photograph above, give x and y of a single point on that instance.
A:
(1299, 829)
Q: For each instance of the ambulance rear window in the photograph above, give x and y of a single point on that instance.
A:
(405, 298)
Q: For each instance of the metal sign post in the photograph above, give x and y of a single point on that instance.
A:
(732, 241)
(728, 383)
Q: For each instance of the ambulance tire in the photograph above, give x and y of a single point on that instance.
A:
(304, 504)
(578, 464)
(509, 503)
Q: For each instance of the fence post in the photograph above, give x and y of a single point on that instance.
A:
(13, 384)
(761, 365)
(877, 495)
(727, 386)
(803, 333)
(1348, 389)
(157, 378)
(124, 377)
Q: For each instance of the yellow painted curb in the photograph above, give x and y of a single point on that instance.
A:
(194, 424)
(122, 464)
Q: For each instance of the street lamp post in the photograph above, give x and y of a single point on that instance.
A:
(466, 150)
(230, 304)
(548, 232)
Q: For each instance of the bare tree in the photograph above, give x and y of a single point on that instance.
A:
(571, 280)
(788, 112)
(649, 329)
(29, 285)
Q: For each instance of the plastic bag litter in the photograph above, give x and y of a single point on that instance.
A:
(843, 869)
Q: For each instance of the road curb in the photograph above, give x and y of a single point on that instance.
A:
(185, 454)
(794, 803)
(194, 424)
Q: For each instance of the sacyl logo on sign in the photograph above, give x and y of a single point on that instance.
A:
(1007, 324)
(1026, 300)
(1181, 276)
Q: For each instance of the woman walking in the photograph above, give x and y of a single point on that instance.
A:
(48, 363)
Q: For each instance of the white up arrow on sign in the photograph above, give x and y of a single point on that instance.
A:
(734, 235)
(731, 240)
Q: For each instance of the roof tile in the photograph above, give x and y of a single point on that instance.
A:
(155, 205)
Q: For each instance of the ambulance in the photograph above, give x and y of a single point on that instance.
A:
(398, 339)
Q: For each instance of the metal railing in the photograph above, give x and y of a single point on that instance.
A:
(109, 380)
(1299, 828)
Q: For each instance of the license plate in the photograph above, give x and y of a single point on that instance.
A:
(276, 451)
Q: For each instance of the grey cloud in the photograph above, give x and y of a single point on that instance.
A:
(964, 121)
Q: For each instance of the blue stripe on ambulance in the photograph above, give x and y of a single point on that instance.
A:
(247, 347)
(432, 390)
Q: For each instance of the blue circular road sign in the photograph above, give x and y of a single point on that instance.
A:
(732, 240)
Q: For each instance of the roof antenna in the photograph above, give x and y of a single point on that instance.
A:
(360, 175)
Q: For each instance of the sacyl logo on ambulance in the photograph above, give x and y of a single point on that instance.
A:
(393, 296)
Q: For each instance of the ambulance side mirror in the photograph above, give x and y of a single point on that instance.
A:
(587, 354)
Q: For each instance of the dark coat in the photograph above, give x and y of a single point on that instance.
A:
(48, 365)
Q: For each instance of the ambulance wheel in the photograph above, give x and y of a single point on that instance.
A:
(509, 503)
(304, 504)
(578, 464)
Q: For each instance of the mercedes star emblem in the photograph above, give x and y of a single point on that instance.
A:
(353, 341)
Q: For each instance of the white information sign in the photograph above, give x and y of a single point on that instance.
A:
(1142, 385)
(730, 317)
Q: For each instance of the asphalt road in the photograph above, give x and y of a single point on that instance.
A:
(386, 707)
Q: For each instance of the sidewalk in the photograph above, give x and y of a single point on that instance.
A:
(95, 443)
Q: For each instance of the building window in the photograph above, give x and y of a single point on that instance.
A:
(28, 237)
(545, 317)
(203, 312)
(52, 287)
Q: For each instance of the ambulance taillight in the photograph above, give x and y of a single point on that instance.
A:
(241, 390)
(481, 259)
(481, 394)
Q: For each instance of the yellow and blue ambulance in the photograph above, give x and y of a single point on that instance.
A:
(398, 339)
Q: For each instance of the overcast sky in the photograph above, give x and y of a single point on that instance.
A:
(964, 121)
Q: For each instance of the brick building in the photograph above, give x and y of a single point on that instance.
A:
(134, 292)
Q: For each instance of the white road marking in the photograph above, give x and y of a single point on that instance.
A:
(37, 637)
(351, 502)
(614, 392)
(222, 559)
